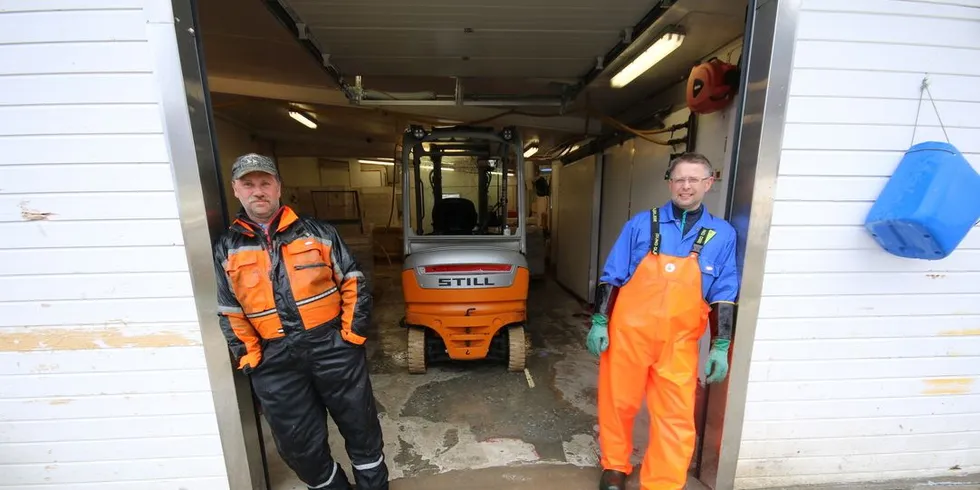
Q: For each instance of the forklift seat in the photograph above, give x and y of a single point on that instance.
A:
(454, 216)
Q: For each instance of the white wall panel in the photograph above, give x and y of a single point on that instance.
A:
(108, 406)
(649, 189)
(883, 327)
(90, 206)
(863, 163)
(574, 235)
(82, 57)
(86, 88)
(145, 427)
(73, 26)
(103, 382)
(887, 57)
(865, 364)
(780, 261)
(68, 234)
(79, 119)
(55, 287)
(777, 431)
(74, 312)
(617, 174)
(82, 451)
(27, 179)
(93, 261)
(802, 413)
(64, 149)
(29, 362)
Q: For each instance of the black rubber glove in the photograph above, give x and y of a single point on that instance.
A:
(605, 296)
(722, 318)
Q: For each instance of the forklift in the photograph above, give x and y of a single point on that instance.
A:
(465, 276)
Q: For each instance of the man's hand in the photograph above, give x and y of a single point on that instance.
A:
(598, 340)
(717, 366)
(248, 362)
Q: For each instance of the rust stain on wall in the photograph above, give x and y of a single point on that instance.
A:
(42, 339)
(32, 214)
(948, 386)
(966, 332)
(60, 401)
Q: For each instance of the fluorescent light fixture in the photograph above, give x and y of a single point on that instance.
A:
(530, 150)
(303, 118)
(656, 52)
(392, 164)
(377, 162)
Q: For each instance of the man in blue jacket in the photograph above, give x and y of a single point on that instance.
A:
(671, 270)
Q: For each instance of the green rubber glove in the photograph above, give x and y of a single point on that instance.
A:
(598, 340)
(717, 366)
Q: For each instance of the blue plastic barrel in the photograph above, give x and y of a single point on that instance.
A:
(928, 205)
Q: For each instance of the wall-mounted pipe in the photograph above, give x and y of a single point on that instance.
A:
(608, 140)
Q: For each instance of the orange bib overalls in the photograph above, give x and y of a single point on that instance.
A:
(656, 323)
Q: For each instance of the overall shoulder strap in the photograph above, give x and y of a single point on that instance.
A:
(655, 231)
(704, 234)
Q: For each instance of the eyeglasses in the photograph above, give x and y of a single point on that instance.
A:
(689, 180)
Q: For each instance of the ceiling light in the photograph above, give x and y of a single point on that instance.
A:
(377, 162)
(303, 118)
(530, 150)
(656, 52)
(392, 164)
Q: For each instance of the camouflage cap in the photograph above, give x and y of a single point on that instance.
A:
(253, 162)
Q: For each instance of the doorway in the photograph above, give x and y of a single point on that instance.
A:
(211, 176)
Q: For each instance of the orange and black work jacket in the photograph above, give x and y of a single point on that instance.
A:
(298, 276)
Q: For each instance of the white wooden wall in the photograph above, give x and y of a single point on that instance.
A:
(866, 365)
(102, 376)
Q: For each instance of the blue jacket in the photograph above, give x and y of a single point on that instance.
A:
(719, 273)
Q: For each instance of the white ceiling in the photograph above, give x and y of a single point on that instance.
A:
(256, 66)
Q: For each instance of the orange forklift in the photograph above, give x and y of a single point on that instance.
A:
(465, 275)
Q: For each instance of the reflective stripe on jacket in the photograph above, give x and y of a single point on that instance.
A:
(298, 276)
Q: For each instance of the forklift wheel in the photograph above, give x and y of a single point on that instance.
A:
(416, 350)
(517, 349)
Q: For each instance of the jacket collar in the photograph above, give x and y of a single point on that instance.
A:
(283, 218)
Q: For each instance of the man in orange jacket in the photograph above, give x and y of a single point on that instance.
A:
(294, 310)
(671, 269)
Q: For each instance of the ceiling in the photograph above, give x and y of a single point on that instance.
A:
(417, 49)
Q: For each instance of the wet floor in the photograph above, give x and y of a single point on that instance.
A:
(478, 415)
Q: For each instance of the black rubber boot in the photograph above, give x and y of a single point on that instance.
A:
(612, 480)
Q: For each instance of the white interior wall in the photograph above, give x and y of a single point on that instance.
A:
(554, 219)
(865, 365)
(103, 381)
(574, 235)
(648, 188)
(615, 210)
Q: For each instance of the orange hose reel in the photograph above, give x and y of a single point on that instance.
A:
(711, 86)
